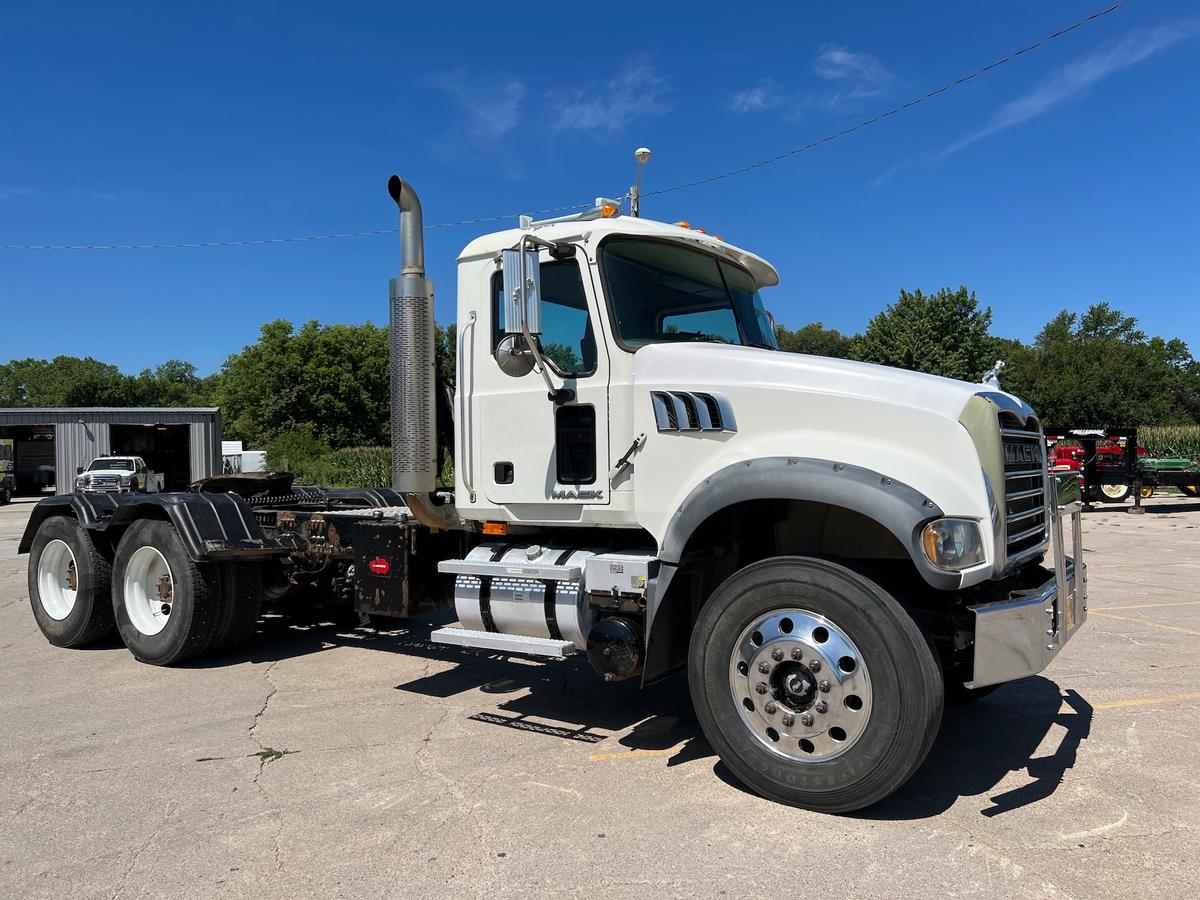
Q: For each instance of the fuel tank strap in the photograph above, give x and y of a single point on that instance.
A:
(551, 599)
(485, 590)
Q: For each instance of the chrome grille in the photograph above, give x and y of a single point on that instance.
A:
(1024, 490)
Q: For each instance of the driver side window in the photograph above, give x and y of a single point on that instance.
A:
(567, 340)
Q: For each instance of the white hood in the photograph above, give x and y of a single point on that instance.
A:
(718, 365)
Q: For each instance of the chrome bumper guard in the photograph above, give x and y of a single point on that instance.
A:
(1019, 636)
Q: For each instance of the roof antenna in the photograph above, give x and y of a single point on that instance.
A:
(642, 155)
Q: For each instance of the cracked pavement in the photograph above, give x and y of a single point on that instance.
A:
(123, 780)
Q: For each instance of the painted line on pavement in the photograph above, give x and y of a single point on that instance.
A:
(636, 754)
(1145, 622)
(1149, 605)
(1146, 701)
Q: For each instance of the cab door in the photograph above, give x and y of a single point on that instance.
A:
(530, 449)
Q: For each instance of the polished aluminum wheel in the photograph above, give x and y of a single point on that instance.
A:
(800, 685)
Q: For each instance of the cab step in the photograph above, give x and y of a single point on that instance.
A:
(505, 643)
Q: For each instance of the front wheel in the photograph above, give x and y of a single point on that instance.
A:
(1115, 493)
(812, 683)
(1191, 490)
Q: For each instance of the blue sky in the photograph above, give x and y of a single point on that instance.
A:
(1064, 178)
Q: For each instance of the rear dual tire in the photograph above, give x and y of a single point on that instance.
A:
(166, 606)
(69, 583)
(751, 665)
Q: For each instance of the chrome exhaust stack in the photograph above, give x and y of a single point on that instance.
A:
(412, 367)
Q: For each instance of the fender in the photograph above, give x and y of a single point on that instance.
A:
(212, 526)
(898, 507)
(91, 510)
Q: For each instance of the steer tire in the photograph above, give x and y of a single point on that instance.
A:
(65, 620)
(194, 595)
(241, 601)
(1191, 490)
(882, 681)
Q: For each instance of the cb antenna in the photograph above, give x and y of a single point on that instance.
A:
(642, 155)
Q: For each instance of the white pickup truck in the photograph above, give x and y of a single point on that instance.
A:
(120, 475)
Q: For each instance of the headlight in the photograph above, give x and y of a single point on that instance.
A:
(953, 544)
(126, 479)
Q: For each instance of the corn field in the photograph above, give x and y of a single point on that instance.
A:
(1163, 441)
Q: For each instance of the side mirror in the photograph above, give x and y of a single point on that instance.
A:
(522, 292)
(79, 470)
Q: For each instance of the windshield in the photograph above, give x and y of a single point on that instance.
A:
(661, 292)
(125, 465)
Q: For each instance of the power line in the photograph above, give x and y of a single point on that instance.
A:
(285, 240)
(891, 112)
(866, 123)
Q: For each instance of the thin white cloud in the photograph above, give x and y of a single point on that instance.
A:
(763, 96)
(492, 105)
(1073, 79)
(849, 77)
(9, 191)
(856, 75)
(635, 92)
(879, 180)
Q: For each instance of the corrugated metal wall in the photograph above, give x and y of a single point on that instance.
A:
(82, 434)
(75, 445)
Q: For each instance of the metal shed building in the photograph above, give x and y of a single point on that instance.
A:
(182, 443)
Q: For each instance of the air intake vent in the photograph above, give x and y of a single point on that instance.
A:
(692, 411)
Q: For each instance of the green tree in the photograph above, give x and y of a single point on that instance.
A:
(1100, 369)
(943, 334)
(815, 339)
(332, 379)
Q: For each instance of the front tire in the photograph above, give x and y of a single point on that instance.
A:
(166, 606)
(69, 584)
(813, 684)
(1114, 493)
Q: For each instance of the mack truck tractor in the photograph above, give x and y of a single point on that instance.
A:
(830, 550)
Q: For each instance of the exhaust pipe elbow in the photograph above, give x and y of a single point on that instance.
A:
(412, 237)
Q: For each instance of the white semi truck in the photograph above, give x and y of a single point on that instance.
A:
(830, 549)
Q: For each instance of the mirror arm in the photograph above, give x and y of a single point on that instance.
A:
(555, 394)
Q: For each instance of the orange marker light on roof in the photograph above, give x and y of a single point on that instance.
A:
(682, 224)
(718, 237)
(608, 210)
(701, 231)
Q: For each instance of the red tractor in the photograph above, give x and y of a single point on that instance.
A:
(1111, 483)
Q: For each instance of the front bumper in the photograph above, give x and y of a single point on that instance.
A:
(1020, 635)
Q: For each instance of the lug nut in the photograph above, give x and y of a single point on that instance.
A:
(787, 720)
(764, 667)
(777, 654)
(797, 654)
(769, 709)
(814, 665)
(761, 687)
(806, 720)
(824, 687)
(822, 707)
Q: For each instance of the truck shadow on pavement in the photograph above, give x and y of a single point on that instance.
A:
(977, 747)
(981, 743)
